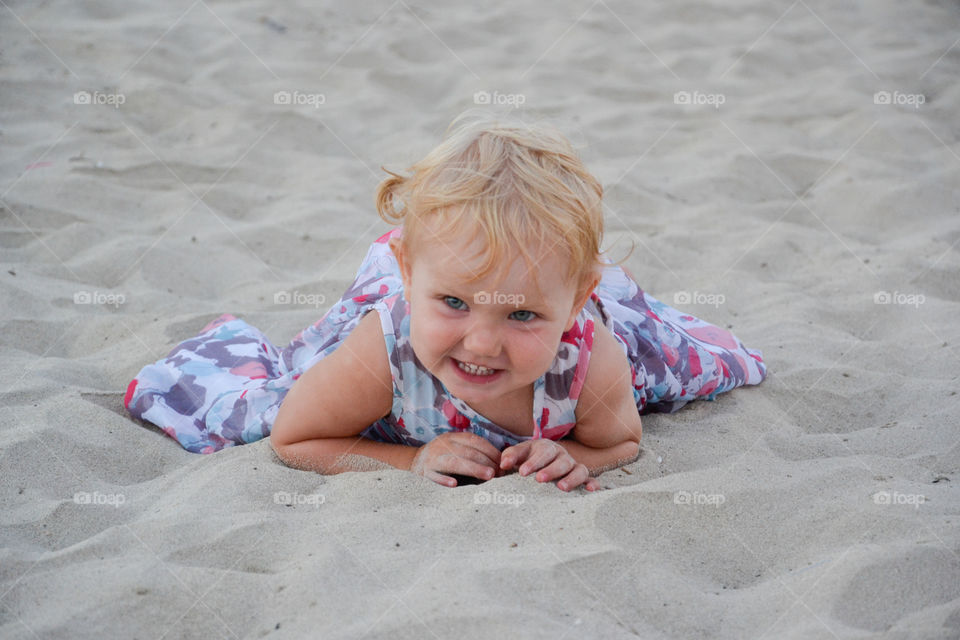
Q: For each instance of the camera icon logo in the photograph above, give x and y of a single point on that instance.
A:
(882, 297)
(81, 97)
(481, 97)
(881, 97)
(82, 297)
(681, 97)
(282, 97)
(681, 297)
(281, 297)
(481, 297)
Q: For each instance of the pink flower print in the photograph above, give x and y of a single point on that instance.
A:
(362, 299)
(708, 388)
(253, 370)
(385, 238)
(670, 354)
(724, 367)
(454, 418)
(129, 395)
(695, 368)
(714, 335)
(557, 432)
(573, 336)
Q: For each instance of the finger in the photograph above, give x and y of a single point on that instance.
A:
(460, 450)
(578, 476)
(455, 447)
(593, 485)
(541, 456)
(478, 443)
(439, 478)
(465, 467)
(515, 454)
(560, 467)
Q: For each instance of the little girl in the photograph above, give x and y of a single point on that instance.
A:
(499, 337)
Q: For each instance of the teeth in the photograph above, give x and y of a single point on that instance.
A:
(474, 369)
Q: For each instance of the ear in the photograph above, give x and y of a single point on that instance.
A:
(578, 306)
(396, 246)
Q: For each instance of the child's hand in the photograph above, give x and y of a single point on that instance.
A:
(552, 460)
(456, 452)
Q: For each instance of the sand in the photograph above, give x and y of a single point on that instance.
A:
(151, 181)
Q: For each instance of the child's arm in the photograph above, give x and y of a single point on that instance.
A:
(608, 430)
(607, 433)
(318, 425)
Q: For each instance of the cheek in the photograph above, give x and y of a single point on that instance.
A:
(430, 332)
(538, 349)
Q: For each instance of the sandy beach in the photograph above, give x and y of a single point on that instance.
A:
(790, 171)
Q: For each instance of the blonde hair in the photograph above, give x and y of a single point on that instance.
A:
(513, 185)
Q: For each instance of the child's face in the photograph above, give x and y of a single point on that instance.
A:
(505, 325)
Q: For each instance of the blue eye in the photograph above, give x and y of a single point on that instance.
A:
(529, 315)
(455, 303)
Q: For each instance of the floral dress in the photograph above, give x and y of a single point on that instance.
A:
(225, 386)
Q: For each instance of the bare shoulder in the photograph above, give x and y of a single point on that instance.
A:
(342, 394)
(606, 411)
(366, 351)
(363, 357)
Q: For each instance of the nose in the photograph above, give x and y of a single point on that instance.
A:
(483, 339)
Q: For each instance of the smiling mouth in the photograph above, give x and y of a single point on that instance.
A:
(475, 369)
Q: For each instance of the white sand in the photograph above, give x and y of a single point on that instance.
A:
(787, 534)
